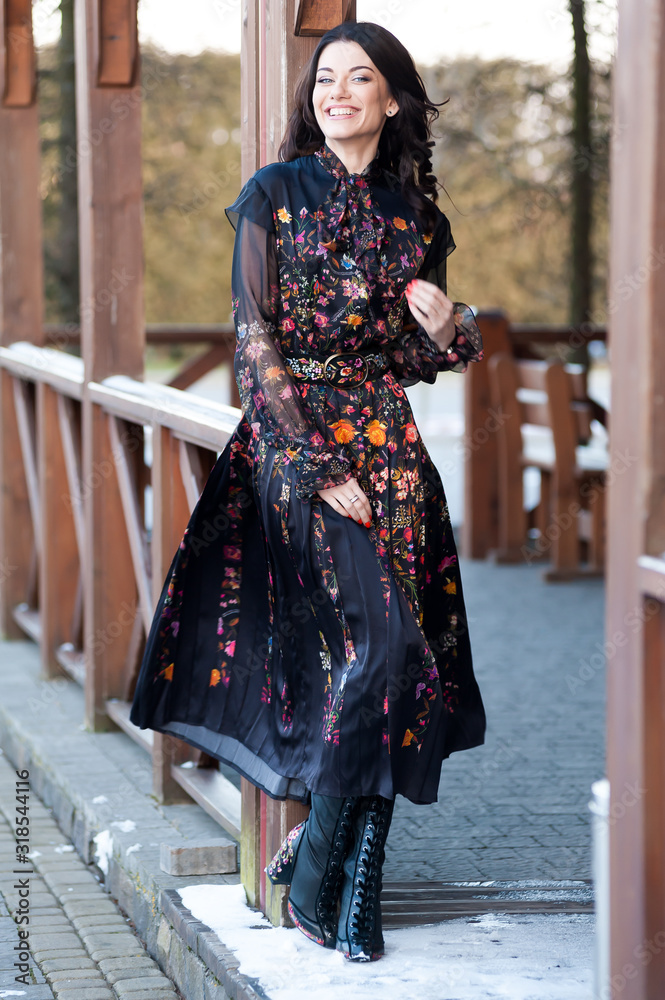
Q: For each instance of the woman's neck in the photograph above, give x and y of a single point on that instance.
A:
(356, 154)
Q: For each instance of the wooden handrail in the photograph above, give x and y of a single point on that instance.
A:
(554, 333)
(156, 333)
(63, 372)
(201, 421)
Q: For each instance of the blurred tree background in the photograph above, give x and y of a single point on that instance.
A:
(506, 160)
(506, 154)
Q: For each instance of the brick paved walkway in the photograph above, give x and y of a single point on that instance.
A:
(80, 945)
(516, 808)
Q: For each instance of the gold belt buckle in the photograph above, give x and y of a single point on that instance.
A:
(343, 354)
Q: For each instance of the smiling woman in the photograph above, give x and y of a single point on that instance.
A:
(350, 103)
(312, 629)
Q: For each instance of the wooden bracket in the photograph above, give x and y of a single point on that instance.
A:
(18, 70)
(115, 35)
(315, 17)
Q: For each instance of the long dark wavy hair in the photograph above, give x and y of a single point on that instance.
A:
(405, 145)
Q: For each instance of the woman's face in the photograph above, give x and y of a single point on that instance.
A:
(351, 98)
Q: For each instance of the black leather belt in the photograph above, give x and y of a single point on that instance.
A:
(346, 369)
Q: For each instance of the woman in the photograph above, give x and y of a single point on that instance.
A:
(311, 631)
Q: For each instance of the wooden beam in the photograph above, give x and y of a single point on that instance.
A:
(250, 841)
(653, 792)
(18, 65)
(250, 88)
(16, 532)
(59, 567)
(315, 17)
(21, 268)
(482, 424)
(110, 214)
(636, 667)
(124, 442)
(115, 38)
(108, 121)
(199, 366)
(171, 512)
(24, 407)
(111, 600)
(277, 818)
(283, 55)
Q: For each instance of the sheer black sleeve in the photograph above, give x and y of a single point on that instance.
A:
(269, 398)
(414, 355)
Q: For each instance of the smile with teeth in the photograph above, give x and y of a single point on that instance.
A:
(341, 112)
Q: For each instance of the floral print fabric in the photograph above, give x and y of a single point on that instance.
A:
(374, 685)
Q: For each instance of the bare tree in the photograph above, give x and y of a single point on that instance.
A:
(581, 186)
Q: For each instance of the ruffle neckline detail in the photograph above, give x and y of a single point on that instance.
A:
(332, 163)
(350, 222)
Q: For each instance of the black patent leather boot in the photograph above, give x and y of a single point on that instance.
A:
(316, 876)
(359, 933)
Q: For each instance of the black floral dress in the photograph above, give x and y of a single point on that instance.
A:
(308, 651)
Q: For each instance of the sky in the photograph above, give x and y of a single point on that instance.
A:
(432, 30)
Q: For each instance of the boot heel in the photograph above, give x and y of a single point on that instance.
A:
(280, 869)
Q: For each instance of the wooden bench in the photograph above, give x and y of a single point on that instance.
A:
(547, 426)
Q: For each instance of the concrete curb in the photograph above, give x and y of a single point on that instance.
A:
(202, 941)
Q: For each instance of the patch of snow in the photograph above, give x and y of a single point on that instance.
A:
(63, 848)
(98, 799)
(490, 957)
(125, 825)
(104, 849)
(35, 854)
(12, 993)
(134, 847)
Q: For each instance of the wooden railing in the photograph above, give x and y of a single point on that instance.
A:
(217, 340)
(160, 444)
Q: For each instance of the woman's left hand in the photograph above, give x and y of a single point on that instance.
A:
(433, 310)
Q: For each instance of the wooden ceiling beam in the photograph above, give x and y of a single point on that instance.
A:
(18, 68)
(315, 17)
(115, 39)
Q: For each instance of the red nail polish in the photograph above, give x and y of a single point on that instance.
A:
(368, 524)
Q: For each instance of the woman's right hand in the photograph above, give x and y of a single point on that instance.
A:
(339, 498)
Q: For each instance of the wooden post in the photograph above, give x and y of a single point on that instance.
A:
(250, 841)
(482, 423)
(108, 101)
(511, 520)
(59, 556)
(636, 509)
(170, 517)
(21, 285)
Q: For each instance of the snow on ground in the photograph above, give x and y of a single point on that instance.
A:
(492, 957)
